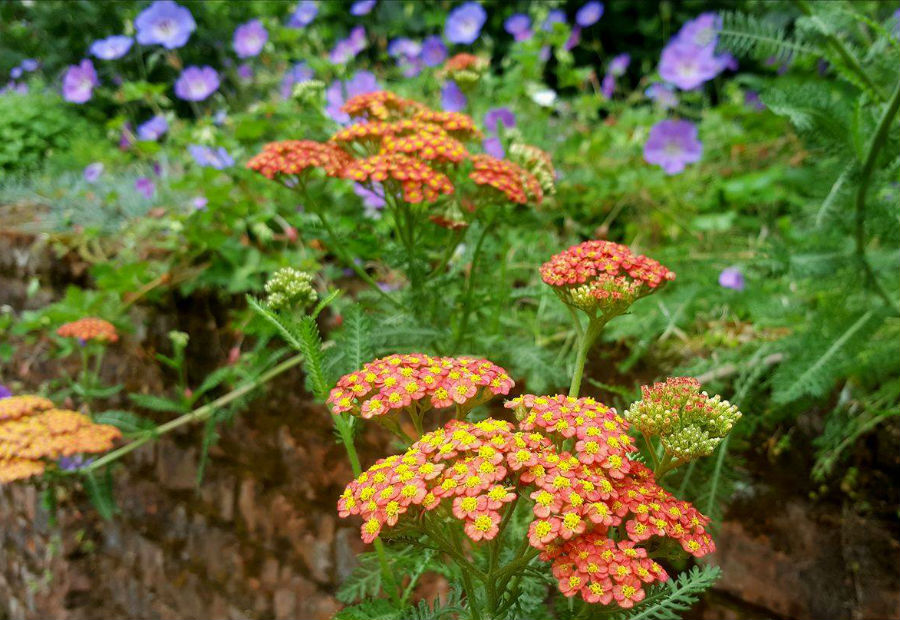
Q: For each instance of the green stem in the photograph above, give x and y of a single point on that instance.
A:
(467, 294)
(197, 415)
(345, 430)
(878, 141)
(342, 253)
(584, 345)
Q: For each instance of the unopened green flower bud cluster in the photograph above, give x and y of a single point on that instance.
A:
(537, 162)
(290, 288)
(308, 91)
(689, 423)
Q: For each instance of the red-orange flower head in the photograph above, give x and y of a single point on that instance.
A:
(393, 383)
(456, 124)
(604, 277)
(32, 432)
(380, 105)
(89, 328)
(290, 158)
(418, 180)
(472, 471)
(430, 143)
(513, 182)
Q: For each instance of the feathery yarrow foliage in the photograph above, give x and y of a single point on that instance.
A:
(34, 433)
(603, 277)
(89, 328)
(471, 472)
(689, 423)
(290, 288)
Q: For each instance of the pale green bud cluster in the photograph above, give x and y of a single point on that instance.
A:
(537, 162)
(290, 288)
(689, 423)
(308, 91)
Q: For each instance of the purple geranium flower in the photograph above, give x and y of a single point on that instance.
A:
(245, 72)
(304, 14)
(493, 147)
(153, 129)
(672, 144)
(250, 38)
(702, 31)
(164, 23)
(29, 64)
(752, 101)
(732, 278)
(608, 85)
(335, 95)
(15, 73)
(111, 48)
(93, 171)
(5, 392)
(619, 64)
(362, 7)
(589, 14)
(209, 157)
(296, 74)
(663, 94)
(556, 16)
(199, 203)
(434, 52)
(145, 187)
(495, 116)
(574, 38)
(79, 81)
(464, 23)
(452, 98)
(688, 66)
(196, 83)
(347, 49)
(74, 463)
(404, 47)
(373, 199)
(519, 26)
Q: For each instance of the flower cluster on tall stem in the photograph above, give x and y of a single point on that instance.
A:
(417, 158)
(601, 279)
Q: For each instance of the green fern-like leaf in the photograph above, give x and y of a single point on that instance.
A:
(816, 362)
(670, 600)
(375, 609)
(746, 35)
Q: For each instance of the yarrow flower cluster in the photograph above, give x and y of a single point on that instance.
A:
(403, 147)
(689, 423)
(471, 471)
(290, 288)
(33, 433)
(89, 328)
(602, 276)
(506, 177)
(393, 383)
(537, 162)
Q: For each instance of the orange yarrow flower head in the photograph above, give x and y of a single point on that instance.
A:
(394, 383)
(33, 434)
(472, 471)
(381, 105)
(288, 159)
(88, 329)
(464, 69)
(603, 277)
(513, 182)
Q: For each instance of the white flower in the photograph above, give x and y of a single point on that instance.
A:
(544, 97)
